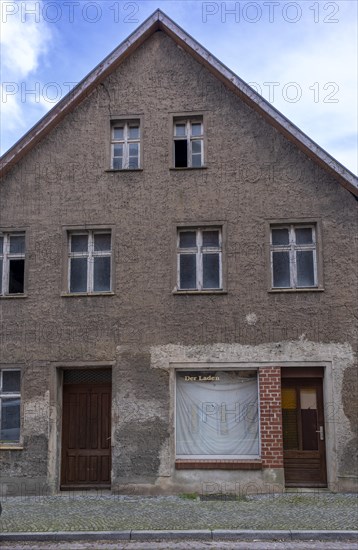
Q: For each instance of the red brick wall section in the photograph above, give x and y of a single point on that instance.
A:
(271, 417)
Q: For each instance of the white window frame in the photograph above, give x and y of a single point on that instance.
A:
(90, 254)
(6, 256)
(199, 250)
(293, 248)
(125, 142)
(9, 395)
(189, 138)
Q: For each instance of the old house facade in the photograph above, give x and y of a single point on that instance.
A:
(178, 287)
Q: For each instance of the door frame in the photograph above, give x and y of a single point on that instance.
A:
(298, 382)
(55, 416)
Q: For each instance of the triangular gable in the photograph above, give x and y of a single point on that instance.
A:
(159, 21)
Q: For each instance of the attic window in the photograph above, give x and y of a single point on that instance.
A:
(188, 142)
(125, 145)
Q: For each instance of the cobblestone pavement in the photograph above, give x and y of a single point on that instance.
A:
(81, 512)
(194, 545)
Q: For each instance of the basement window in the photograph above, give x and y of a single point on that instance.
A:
(188, 142)
(293, 251)
(12, 263)
(9, 406)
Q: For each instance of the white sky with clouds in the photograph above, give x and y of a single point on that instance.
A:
(45, 45)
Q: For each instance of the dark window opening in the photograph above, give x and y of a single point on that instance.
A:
(181, 154)
(16, 276)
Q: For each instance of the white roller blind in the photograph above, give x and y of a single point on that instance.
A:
(219, 417)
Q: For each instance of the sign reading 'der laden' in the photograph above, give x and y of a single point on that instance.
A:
(201, 378)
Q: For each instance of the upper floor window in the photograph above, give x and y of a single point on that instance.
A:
(125, 145)
(188, 142)
(89, 265)
(199, 262)
(9, 406)
(12, 263)
(293, 256)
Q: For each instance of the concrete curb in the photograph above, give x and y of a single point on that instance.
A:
(166, 535)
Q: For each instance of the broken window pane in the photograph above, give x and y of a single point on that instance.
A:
(10, 419)
(79, 243)
(211, 271)
(181, 154)
(187, 239)
(280, 236)
(102, 242)
(78, 279)
(187, 271)
(10, 381)
(305, 268)
(16, 276)
(281, 269)
(102, 274)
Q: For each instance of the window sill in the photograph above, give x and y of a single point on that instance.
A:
(4, 447)
(218, 464)
(199, 292)
(85, 294)
(124, 170)
(179, 168)
(12, 296)
(313, 289)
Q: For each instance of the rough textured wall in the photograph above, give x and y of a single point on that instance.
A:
(253, 174)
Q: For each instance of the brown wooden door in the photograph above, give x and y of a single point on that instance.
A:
(86, 436)
(303, 433)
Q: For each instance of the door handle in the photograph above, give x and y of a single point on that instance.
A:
(321, 433)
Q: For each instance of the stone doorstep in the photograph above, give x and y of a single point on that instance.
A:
(205, 534)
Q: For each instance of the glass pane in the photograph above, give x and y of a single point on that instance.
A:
(280, 236)
(117, 163)
(196, 129)
(133, 149)
(102, 242)
(196, 147)
(78, 279)
(16, 276)
(17, 244)
(308, 398)
(1, 245)
(211, 271)
(281, 269)
(10, 419)
(290, 429)
(102, 274)
(211, 238)
(11, 381)
(196, 161)
(0, 276)
(179, 130)
(134, 132)
(118, 150)
(79, 243)
(288, 398)
(187, 239)
(187, 271)
(133, 163)
(118, 133)
(305, 269)
(304, 235)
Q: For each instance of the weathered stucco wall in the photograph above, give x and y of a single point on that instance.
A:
(253, 175)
